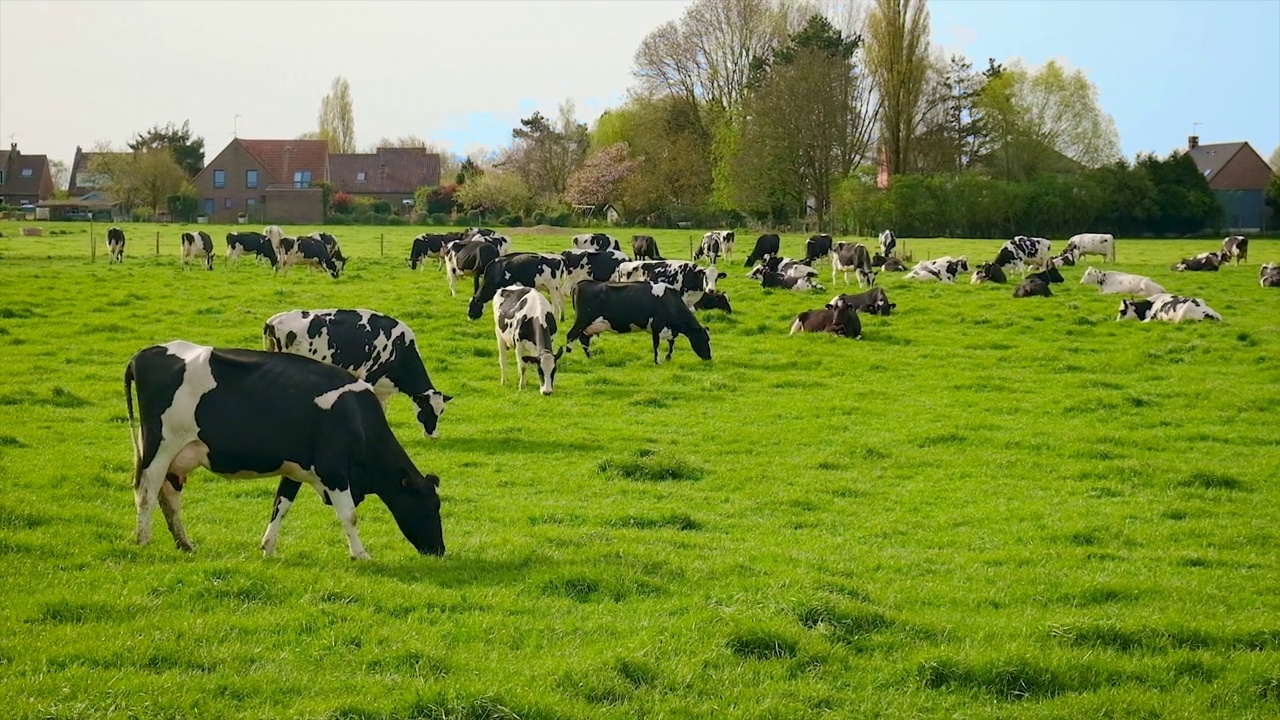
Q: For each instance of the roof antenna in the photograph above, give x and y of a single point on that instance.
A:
(1193, 127)
(235, 126)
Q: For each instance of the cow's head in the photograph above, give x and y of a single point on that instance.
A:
(867, 278)
(711, 275)
(414, 501)
(430, 408)
(476, 308)
(546, 362)
(331, 267)
(700, 341)
(1134, 309)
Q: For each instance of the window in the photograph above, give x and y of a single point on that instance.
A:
(229, 203)
(359, 177)
(1, 176)
(251, 179)
(28, 172)
(208, 206)
(302, 179)
(249, 203)
(219, 178)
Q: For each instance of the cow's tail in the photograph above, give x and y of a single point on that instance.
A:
(270, 341)
(134, 433)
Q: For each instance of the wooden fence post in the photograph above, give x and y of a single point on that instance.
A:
(382, 244)
(157, 243)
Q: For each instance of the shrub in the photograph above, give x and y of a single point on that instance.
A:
(396, 220)
(380, 207)
(560, 219)
(439, 219)
(341, 203)
(337, 220)
(510, 220)
(142, 214)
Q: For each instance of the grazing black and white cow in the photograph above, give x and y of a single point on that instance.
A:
(1066, 258)
(770, 279)
(249, 413)
(874, 301)
(331, 245)
(596, 242)
(580, 265)
(644, 247)
(626, 306)
(1113, 282)
(837, 318)
(888, 241)
(817, 247)
(115, 244)
(893, 264)
(501, 242)
(532, 270)
(767, 245)
(1047, 276)
(1166, 307)
(1269, 275)
(1235, 246)
(306, 251)
(784, 266)
(249, 243)
(429, 245)
(475, 233)
(1022, 251)
(714, 244)
(1032, 287)
(714, 300)
(467, 258)
(373, 347)
(1078, 246)
(1205, 262)
(690, 280)
(197, 246)
(847, 256)
(988, 272)
(523, 321)
(944, 269)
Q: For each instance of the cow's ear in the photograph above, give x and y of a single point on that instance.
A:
(446, 398)
(528, 359)
(559, 353)
(721, 276)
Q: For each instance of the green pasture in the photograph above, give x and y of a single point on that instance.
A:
(988, 507)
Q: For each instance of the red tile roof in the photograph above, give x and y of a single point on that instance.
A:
(390, 170)
(282, 158)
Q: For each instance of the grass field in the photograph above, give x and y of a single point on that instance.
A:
(988, 507)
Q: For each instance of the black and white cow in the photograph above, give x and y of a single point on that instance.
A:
(838, 318)
(874, 301)
(714, 300)
(524, 321)
(249, 243)
(115, 244)
(1078, 246)
(1205, 262)
(429, 245)
(767, 245)
(1166, 307)
(644, 247)
(847, 256)
(817, 247)
(1235, 246)
(690, 280)
(274, 236)
(714, 244)
(580, 265)
(373, 347)
(596, 242)
(944, 269)
(988, 272)
(1047, 276)
(1113, 282)
(770, 279)
(532, 270)
(467, 258)
(627, 306)
(475, 233)
(306, 251)
(501, 242)
(1066, 258)
(888, 241)
(197, 246)
(249, 413)
(331, 245)
(1269, 275)
(1023, 251)
(1032, 287)
(784, 266)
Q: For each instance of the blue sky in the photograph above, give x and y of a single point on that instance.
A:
(464, 73)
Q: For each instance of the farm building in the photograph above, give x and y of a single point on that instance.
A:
(274, 181)
(24, 179)
(1238, 176)
(391, 174)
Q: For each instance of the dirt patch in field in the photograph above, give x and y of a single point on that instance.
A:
(537, 230)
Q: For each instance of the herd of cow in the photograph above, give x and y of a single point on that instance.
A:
(310, 407)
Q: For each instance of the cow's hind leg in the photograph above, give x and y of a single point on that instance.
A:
(171, 506)
(286, 495)
(146, 493)
(345, 508)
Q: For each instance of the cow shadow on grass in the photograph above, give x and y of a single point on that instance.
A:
(455, 571)
(502, 444)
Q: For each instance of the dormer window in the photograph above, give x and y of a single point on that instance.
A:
(28, 172)
(360, 177)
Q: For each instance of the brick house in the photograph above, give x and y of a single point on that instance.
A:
(1238, 176)
(391, 174)
(273, 181)
(83, 182)
(24, 178)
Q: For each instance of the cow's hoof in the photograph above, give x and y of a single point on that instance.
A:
(361, 556)
(185, 546)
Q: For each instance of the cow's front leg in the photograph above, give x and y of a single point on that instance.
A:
(286, 495)
(657, 339)
(502, 362)
(671, 347)
(345, 508)
(171, 506)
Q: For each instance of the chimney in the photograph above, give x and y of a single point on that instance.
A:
(13, 148)
(1193, 142)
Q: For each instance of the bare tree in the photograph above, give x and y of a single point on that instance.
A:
(450, 162)
(337, 117)
(898, 58)
(545, 152)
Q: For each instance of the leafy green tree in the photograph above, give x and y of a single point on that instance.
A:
(898, 58)
(1183, 202)
(495, 193)
(545, 152)
(337, 122)
(187, 150)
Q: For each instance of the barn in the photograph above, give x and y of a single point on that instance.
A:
(1238, 177)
